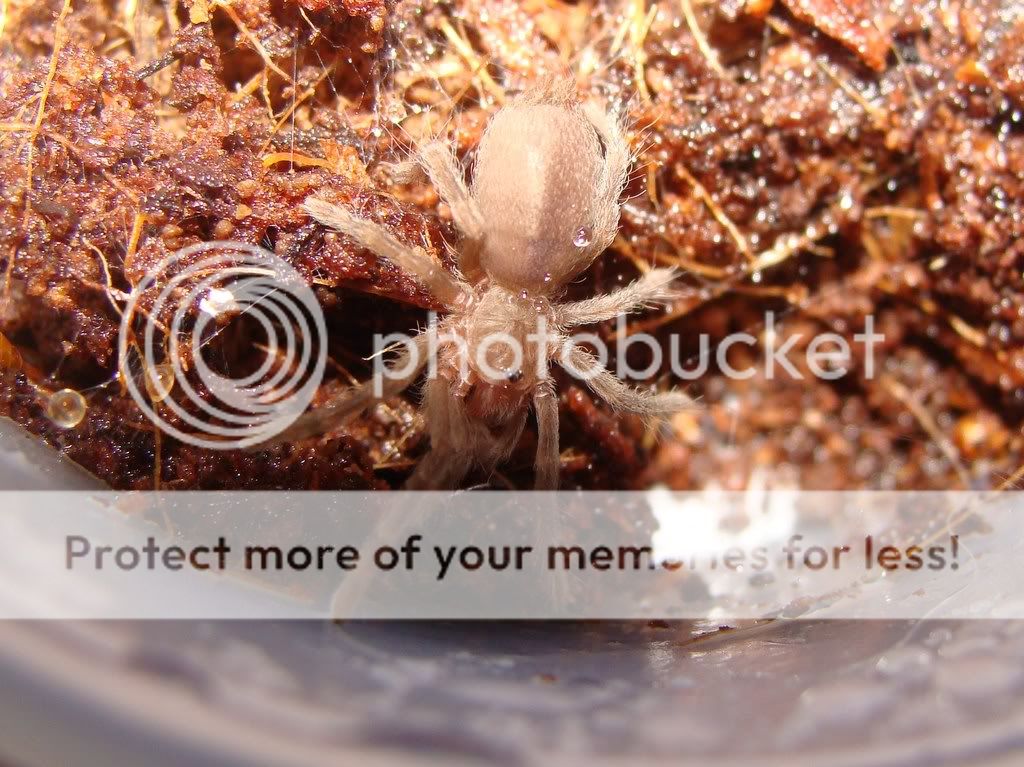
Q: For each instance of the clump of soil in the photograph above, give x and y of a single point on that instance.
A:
(826, 161)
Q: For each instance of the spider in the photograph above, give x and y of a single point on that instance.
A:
(543, 204)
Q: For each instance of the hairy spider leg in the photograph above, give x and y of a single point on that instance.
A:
(413, 261)
(652, 289)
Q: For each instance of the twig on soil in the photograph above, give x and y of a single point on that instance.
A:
(698, 35)
(924, 418)
(465, 50)
(716, 211)
(58, 43)
(253, 40)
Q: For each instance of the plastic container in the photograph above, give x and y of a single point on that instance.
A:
(822, 692)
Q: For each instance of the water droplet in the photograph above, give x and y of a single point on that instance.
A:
(218, 301)
(582, 237)
(66, 408)
(159, 382)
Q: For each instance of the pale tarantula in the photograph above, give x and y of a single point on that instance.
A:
(543, 203)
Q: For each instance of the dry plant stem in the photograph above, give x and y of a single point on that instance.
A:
(253, 40)
(19, 127)
(716, 211)
(879, 116)
(913, 404)
(296, 102)
(698, 35)
(58, 42)
(637, 25)
(1013, 480)
(465, 50)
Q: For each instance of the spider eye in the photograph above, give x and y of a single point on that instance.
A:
(515, 376)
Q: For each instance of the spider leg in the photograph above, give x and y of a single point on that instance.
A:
(404, 172)
(445, 173)
(413, 261)
(617, 394)
(546, 464)
(442, 468)
(653, 288)
(397, 376)
(459, 442)
(447, 462)
(436, 161)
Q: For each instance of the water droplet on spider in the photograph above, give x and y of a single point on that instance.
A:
(66, 408)
(582, 237)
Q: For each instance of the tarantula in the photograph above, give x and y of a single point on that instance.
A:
(543, 203)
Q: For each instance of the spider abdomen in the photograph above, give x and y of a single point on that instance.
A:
(537, 174)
